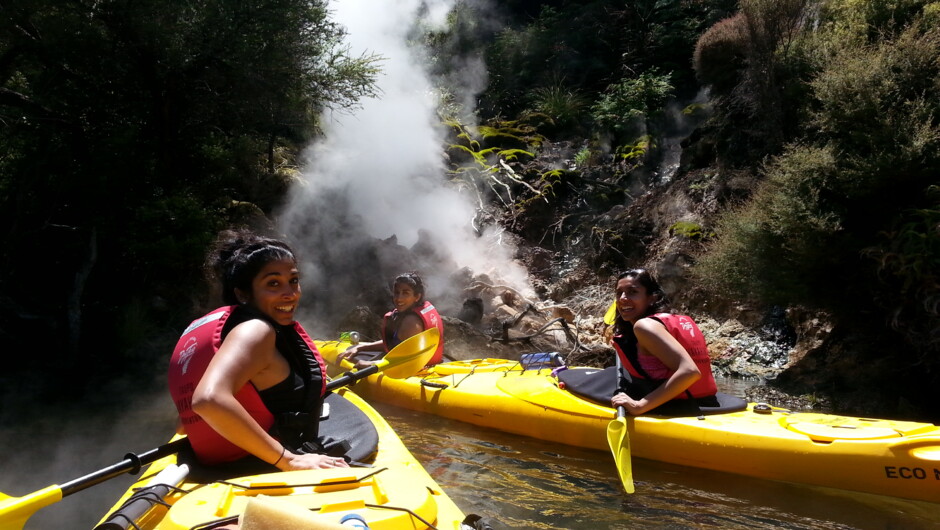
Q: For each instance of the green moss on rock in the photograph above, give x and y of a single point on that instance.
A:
(689, 230)
(516, 155)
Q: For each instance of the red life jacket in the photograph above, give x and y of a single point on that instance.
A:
(429, 318)
(648, 366)
(198, 344)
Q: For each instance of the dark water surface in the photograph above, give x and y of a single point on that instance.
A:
(512, 481)
(56, 444)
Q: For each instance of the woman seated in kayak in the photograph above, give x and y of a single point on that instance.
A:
(412, 315)
(246, 379)
(664, 355)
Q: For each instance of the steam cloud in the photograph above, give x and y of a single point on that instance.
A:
(374, 200)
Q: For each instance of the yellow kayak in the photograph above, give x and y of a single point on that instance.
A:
(886, 457)
(393, 492)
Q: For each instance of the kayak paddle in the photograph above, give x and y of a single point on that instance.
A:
(619, 440)
(611, 315)
(404, 360)
(412, 354)
(14, 511)
(618, 437)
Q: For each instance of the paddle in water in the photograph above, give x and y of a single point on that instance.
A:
(403, 361)
(618, 438)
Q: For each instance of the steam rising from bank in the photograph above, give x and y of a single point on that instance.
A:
(377, 181)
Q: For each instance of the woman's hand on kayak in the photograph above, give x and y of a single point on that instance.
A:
(346, 355)
(630, 405)
(293, 462)
(363, 364)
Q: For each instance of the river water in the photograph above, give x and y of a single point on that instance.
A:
(512, 481)
(519, 482)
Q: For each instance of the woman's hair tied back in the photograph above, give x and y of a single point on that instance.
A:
(238, 256)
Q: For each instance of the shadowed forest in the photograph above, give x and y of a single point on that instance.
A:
(775, 155)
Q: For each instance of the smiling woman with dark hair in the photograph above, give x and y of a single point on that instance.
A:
(664, 355)
(412, 315)
(246, 379)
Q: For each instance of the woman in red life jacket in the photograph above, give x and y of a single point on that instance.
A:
(237, 372)
(412, 315)
(664, 355)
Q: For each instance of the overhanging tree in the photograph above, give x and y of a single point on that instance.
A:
(127, 127)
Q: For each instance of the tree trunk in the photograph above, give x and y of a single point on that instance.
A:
(74, 308)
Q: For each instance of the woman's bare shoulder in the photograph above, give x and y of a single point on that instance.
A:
(648, 325)
(254, 332)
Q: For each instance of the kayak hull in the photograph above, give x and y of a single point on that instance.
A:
(895, 458)
(394, 493)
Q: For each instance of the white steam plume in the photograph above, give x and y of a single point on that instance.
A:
(379, 172)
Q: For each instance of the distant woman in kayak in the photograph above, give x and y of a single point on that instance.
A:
(664, 355)
(246, 378)
(412, 315)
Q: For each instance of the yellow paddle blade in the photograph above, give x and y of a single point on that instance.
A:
(611, 315)
(14, 511)
(410, 356)
(618, 437)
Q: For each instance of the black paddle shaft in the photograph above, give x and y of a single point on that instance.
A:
(131, 464)
(351, 377)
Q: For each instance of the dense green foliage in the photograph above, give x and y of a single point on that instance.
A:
(611, 82)
(541, 56)
(755, 78)
(625, 39)
(130, 132)
(845, 217)
(631, 100)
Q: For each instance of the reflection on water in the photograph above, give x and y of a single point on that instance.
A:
(512, 481)
(735, 386)
(519, 482)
